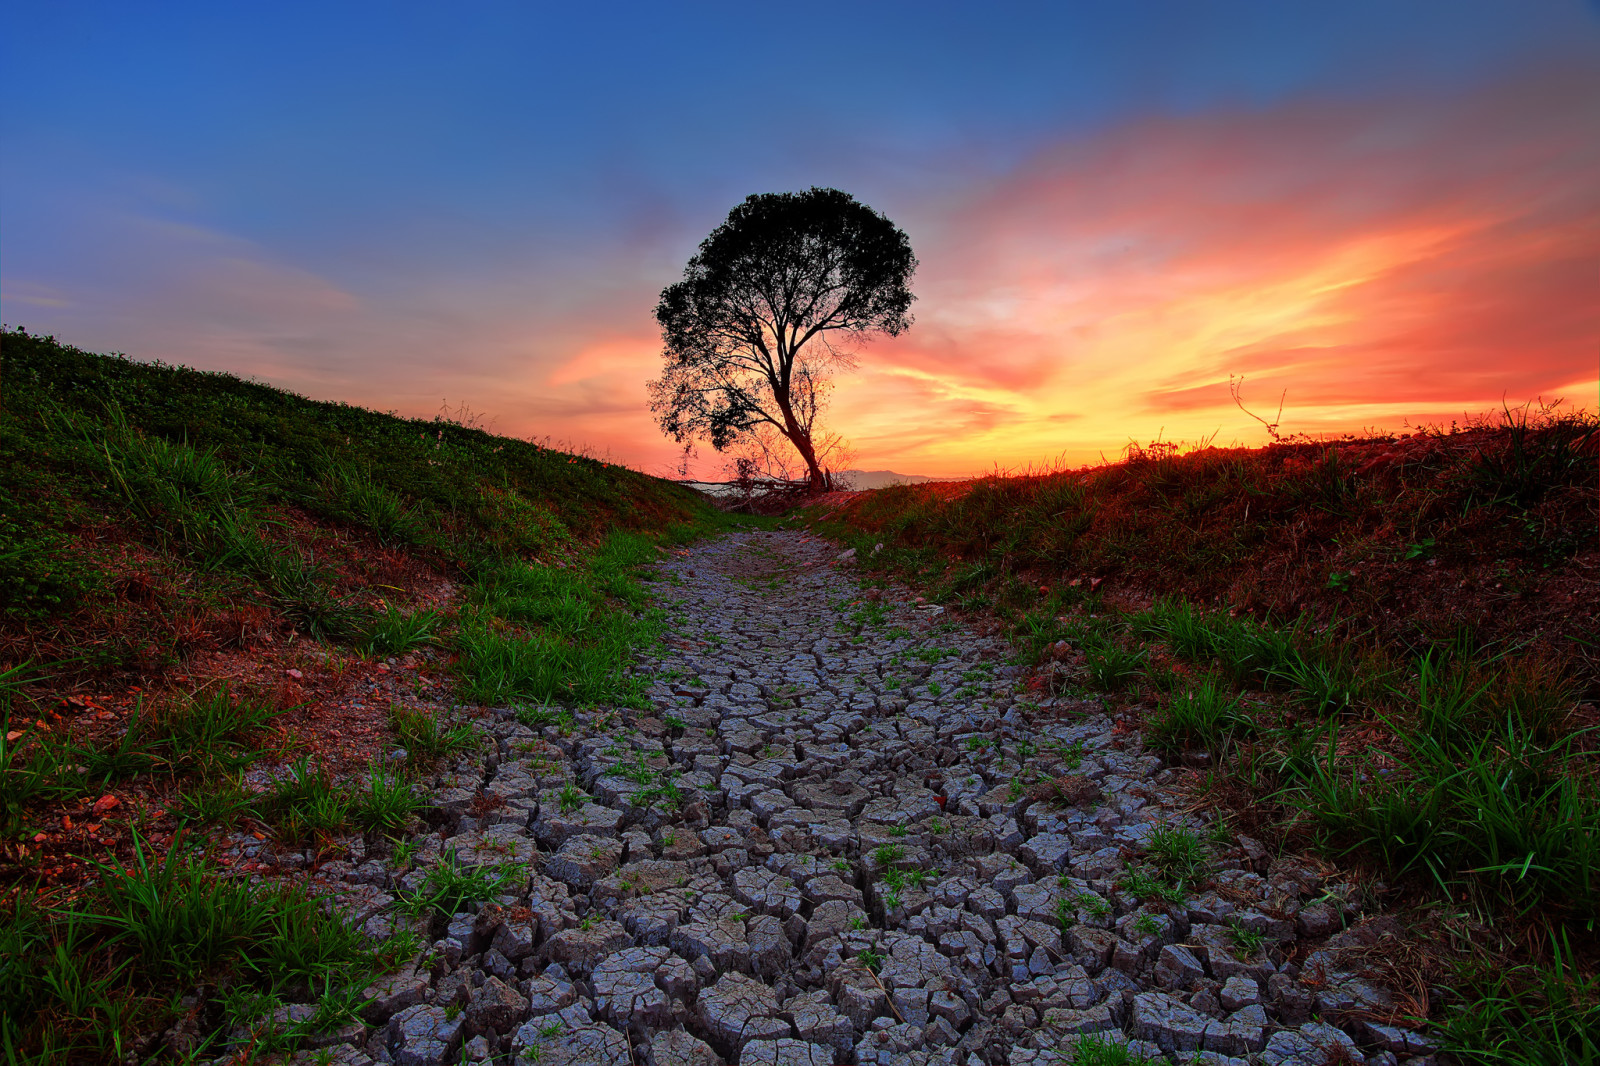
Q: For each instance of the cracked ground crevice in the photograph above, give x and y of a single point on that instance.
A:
(822, 843)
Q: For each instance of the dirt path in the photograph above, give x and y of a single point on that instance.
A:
(841, 835)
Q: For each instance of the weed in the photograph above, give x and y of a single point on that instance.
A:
(1531, 1015)
(1177, 852)
(1112, 667)
(394, 633)
(307, 803)
(1095, 1050)
(425, 739)
(870, 959)
(220, 803)
(1208, 717)
(386, 802)
(1249, 941)
(449, 886)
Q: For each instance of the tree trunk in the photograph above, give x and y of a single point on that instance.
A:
(817, 480)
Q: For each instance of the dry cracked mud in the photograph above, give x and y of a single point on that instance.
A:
(842, 834)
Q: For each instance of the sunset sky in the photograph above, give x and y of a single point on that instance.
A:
(1391, 211)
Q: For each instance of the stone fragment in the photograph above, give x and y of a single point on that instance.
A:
(584, 859)
(389, 995)
(578, 949)
(1239, 992)
(1167, 1022)
(494, 1007)
(675, 1047)
(581, 1045)
(1177, 968)
(785, 1052)
(721, 940)
(815, 1019)
(739, 1009)
(424, 1035)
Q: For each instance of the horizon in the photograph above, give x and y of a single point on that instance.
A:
(1388, 216)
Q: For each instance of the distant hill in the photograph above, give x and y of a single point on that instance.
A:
(877, 479)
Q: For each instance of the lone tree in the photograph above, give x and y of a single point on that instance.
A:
(785, 270)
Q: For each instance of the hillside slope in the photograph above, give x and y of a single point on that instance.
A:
(148, 512)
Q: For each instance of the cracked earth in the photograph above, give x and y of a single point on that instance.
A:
(842, 833)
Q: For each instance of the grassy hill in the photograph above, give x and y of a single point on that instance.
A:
(148, 511)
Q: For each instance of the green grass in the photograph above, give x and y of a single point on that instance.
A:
(1530, 1017)
(1177, 852)
(449, 886)
(216, 476)
(1111, 666)
(566, 635)
(78, 984)
(427, 739)
(1207, 717)
(395, 632)
(1095, 1050)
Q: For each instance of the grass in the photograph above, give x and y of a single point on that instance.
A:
(546, 634)
(395, 632)
(1207, 717)
(427, 739)
(1544, 1015)
(1177, 852)
(1095, 1050)
(449, 886)
(78, 984)
(1111, 666)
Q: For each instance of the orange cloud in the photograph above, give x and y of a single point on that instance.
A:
(1380, 261)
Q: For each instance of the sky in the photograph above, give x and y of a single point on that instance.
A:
(1384, 214)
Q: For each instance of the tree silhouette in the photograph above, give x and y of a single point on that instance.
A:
(786, 270)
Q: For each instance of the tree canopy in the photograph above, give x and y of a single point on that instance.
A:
(747, 332)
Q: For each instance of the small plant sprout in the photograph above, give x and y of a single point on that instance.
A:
(887, 854)
(1064, 914)
(1247, 940)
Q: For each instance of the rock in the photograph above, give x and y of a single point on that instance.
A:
(739, 1009)
(628, 993)
(423, 1035)
(559, 1044)
(1239, 992)
(722, 940)
(1177, 968)
(815, 1020)
(584, 859)
(1166, 1022)
(494, 1007)
(389, 995)
(785, 1052)
(578, 949)
(678, 1048)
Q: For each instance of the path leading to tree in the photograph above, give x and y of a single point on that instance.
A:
(844, 834)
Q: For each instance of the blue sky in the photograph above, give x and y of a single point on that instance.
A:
(401, 203)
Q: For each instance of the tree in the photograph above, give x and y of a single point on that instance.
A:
(748, 333)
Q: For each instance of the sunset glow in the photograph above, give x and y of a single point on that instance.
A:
(1417, 247)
